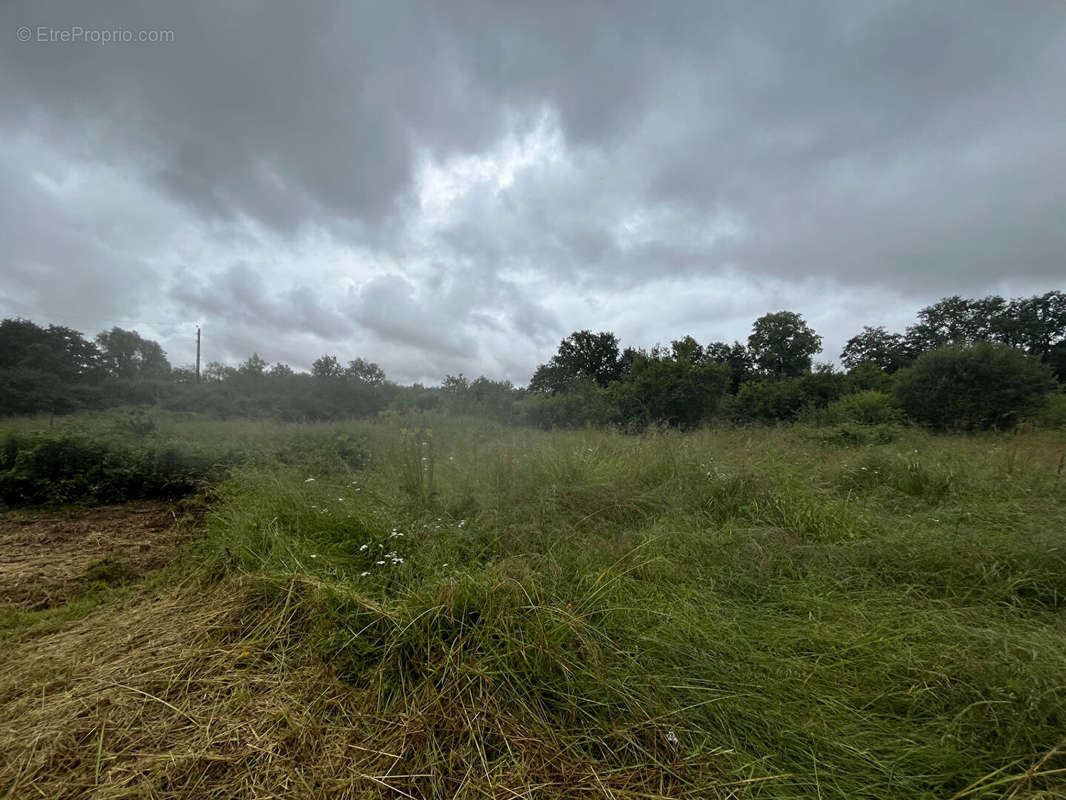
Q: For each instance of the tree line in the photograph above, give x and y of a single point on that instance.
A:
(966, 363)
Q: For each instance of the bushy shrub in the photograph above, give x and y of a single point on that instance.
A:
(768, 401)
(851, 434)
(668, 391)
(136, 421)
(868, 375)
(30, 391)
(783, 400)
(863, 408)
(977, 387)
(1053, 413)
(41, 469)
(586, 404)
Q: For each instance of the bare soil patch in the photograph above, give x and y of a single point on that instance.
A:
(47, 557)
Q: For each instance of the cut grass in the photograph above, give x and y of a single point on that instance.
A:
(213, 694)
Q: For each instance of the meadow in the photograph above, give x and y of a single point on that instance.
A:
(434, 607)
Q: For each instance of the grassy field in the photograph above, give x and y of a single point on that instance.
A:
(436, 608)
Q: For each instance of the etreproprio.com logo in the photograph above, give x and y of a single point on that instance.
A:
(77, 34)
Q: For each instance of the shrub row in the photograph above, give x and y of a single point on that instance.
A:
(36, 469)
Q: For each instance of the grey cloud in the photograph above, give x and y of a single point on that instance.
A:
(241, 293)
(62, 265)
(253, 109)
(390, 307)
(883, 151)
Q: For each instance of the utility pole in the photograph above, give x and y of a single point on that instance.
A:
(197, 353)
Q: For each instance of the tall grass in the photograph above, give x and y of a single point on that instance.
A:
(758, 613)
(743, 610)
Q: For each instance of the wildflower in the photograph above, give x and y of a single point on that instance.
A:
(314, 555)
(672, 739)
(363, 547)
(308, 480)
(379, 563)
(340, 499)
(462, 523)
(363, 574)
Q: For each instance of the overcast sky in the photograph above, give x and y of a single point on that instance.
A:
(456, 186)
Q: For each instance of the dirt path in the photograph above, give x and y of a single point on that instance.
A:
(46, 557)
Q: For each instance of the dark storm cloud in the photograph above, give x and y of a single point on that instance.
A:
(582, 153)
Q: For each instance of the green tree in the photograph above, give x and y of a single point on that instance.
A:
(126, 354)
(669, 389)
(454, 384)
(948, 321)
(1056, 359)
(582, 354)
(495, 399)
(58, 350)
(980, 386)
(216, 372)
(280, 370)
(46, 369)
(365, 372)
(687, 349)
(736, 357)
(254, 367)
(1037, 324)
(783, 345)
(957, 320)
(327, 367)
(875, 346)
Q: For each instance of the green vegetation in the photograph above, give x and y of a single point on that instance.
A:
(968, 350)
(984, 386)
(128, 455)
(785, 612)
